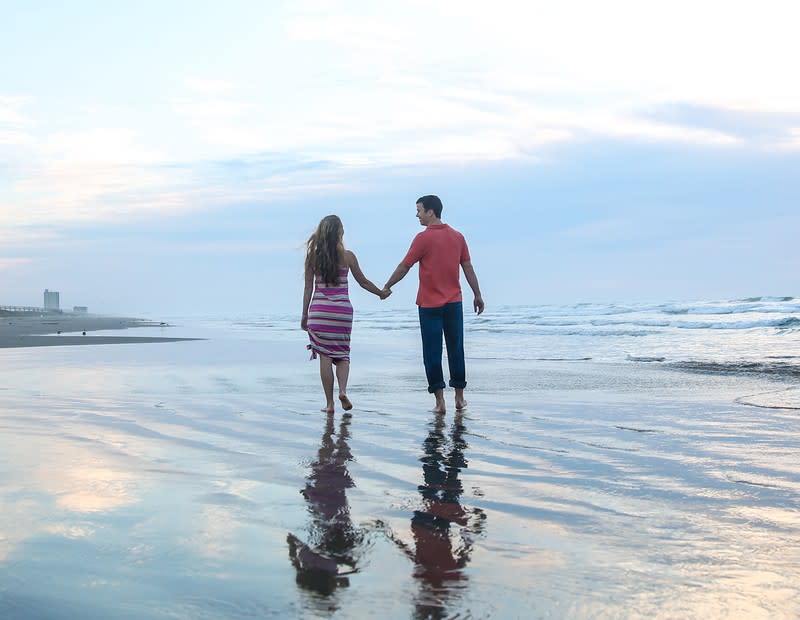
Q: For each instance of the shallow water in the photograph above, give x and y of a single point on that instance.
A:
(199, 480)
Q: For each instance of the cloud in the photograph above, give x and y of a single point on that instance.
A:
(61, 192)
(209, 87)
(212, 108)
(374, 34)
(15, 138)
(21, 238)
(792, 141)
(374, 86)
(587, 62)
(12, 263)
(757, 128)
(222, 247)
(10, 110)
(97, 146)
(406, 84)
(85, 175)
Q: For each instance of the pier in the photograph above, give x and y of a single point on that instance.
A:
(25, 310)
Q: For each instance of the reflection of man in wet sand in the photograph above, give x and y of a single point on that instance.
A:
(442, 528)
(332, 537)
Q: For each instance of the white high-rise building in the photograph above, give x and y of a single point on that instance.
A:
(51, 300)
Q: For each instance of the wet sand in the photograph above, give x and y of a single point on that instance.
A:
(200, 480)
(59, 330)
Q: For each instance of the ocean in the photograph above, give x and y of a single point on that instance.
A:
(760, 329)
(614, 461)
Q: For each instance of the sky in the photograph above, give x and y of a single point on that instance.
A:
(167, 158)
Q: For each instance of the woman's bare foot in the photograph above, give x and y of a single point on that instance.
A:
(346, 404)
(328, 409)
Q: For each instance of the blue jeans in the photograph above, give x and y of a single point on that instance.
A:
(433, 322)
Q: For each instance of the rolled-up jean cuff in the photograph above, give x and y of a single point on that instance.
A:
(438, 386)
(459, 385)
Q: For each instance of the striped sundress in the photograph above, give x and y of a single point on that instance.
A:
(330, 319)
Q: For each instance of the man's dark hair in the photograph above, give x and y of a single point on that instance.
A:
(431, 203)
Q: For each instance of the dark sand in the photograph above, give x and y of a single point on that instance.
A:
(43, 330)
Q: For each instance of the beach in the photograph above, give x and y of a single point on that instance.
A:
(198, 479)
(27, 330)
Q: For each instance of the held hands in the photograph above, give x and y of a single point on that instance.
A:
(384, 293)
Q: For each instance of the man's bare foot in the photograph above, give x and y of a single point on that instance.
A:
(346, 404)
(328, 409)
(439, 407)
(461, 402)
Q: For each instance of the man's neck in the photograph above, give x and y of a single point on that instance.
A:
(435, 222)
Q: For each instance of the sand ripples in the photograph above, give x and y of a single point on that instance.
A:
(219, 490)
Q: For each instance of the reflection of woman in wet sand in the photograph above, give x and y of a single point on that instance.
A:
(333, 539)
(442, 528)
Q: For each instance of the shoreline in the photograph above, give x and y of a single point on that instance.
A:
(47, 330)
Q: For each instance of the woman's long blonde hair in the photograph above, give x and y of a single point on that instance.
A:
(325, 249)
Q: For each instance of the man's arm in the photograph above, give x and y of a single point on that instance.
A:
(472, 280)
(398, 275)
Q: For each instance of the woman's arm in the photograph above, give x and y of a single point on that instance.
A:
(352, 263)
(309, 289)
(396, 276)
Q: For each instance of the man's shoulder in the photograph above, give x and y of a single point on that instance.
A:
(454, 233)
(419, 236)
(440, 228)
(439, 234)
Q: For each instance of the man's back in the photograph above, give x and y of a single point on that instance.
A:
(440, 250)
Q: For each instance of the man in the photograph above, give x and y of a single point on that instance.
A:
(440, 250)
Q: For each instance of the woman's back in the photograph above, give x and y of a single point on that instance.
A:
(340, 287)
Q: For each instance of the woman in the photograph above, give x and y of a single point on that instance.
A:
(328, 314)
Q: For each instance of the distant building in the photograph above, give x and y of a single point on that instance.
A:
(51, 300)
(80, 309)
